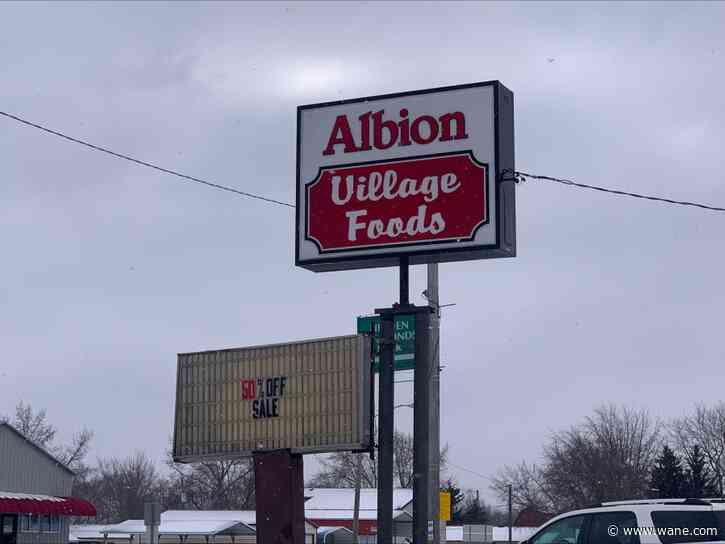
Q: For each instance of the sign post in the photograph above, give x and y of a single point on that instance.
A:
(386, 428)
(400, 179)
(274, 403)
(280, 497)
(152, 520)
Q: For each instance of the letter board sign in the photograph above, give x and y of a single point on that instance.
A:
(427, 174)
(311, 396)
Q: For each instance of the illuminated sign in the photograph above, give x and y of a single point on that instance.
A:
(421, 174)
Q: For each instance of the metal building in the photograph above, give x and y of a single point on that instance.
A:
(35, 488)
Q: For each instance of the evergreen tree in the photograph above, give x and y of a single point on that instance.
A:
(698, 480)
(473, 511)
(668, 479)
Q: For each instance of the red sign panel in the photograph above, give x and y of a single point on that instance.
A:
(398, 202)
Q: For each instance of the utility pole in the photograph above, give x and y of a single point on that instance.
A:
(356, 511)
(421, 429)
(434, 395)
(511, 512)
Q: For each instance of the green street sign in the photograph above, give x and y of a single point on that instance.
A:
(404, 339)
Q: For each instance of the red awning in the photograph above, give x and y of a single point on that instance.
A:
(63, 506)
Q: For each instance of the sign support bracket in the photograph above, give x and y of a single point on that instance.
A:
(404, 281)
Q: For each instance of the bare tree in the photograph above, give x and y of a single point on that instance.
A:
(528, 485)
(220, 485)
(34, 425)
(606, 457)
(74, 454)
(36, 428)
(216, 485)
(121, 486)
(704, 427)
(403, 459)
(340, 469)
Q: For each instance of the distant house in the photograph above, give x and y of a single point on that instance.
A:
(35, 488)
(334, 507)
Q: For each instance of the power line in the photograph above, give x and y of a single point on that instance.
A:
(518, 176)
(522, 176)
(468, 470)
(144, 163)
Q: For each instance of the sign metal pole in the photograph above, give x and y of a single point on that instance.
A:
(421, 423)
(386, 405)
(404, 281)
(386, 400)
(435, 449)
(510, 520)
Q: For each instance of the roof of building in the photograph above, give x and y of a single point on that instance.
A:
(248, 517)
(338, 503)
(182, 527)
(183, 522)
(219, 527)
(130, 526)
(89, 532)
(29, 497)
(25, 503)
(245, 516)
(6, 425)
(344, 499)
(331, 515)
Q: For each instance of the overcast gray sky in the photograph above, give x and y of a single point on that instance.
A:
(109, 269)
